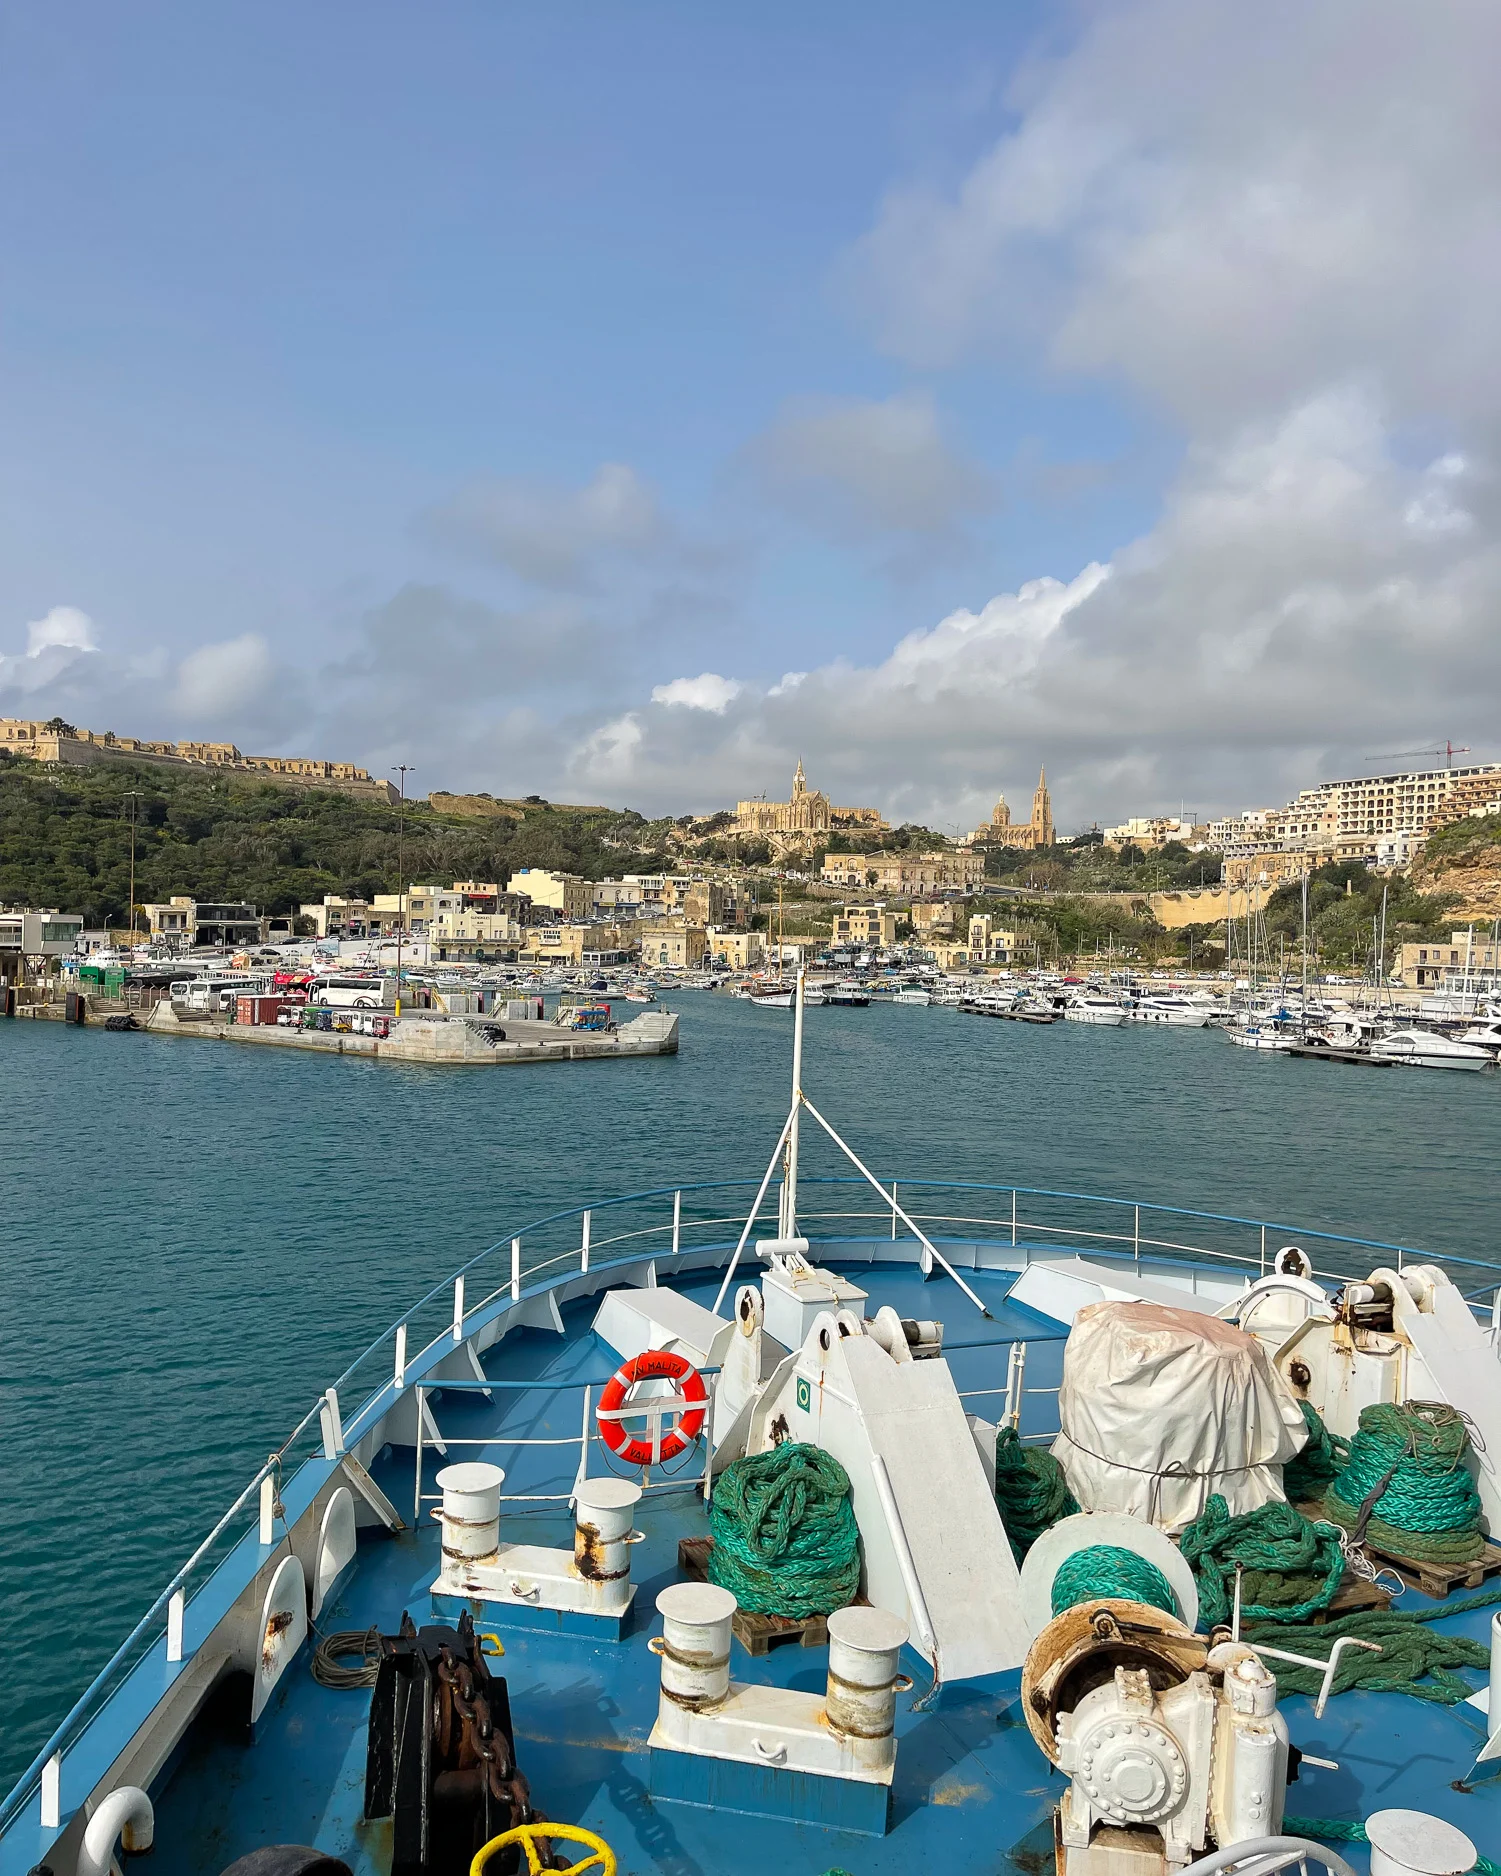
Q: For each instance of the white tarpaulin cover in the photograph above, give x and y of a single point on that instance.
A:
(1162, 1407)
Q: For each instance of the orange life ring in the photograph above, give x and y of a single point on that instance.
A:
(656, 1364)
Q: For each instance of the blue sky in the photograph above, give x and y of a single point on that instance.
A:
(437, 384)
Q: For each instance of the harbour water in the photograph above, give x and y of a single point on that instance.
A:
(195, 1240)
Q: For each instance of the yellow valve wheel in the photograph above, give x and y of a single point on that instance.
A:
(528, 1835)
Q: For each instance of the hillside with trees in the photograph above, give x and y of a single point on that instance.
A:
(65, 840)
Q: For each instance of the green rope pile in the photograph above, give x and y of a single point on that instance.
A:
(1409, 1463)
(1031, 1492)
(1415, 1659)
(1306, 1477)
(785, 1538)
(1292, 1568)
(1107, 1570)
(1336, 1830)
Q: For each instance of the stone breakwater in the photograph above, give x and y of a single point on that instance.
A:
(456, 1041)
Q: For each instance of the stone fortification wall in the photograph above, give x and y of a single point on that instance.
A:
(46, 742)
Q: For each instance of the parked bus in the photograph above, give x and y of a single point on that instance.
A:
(337, 992)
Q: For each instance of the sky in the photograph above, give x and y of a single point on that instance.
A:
(619, 403)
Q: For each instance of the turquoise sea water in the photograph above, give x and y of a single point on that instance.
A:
(195, 1237)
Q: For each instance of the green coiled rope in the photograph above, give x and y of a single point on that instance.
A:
(1106, 1570)
(1336, 1830)
(1031, 1492)
(1407, 1464)
(1307, 1476)
(1292, 1568)
(785, 1537)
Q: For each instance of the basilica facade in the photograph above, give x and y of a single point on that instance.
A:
(1001, 831)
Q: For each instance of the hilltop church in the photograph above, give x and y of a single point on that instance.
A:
(1001, 831)
(808, 814)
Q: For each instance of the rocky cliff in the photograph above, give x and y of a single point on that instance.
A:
(1464, 860)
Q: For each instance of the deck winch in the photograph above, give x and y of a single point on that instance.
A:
(844, 1737)
(585, 1590)
(1172, 1744)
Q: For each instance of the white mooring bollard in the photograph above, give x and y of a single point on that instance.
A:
(694, 1645)
(604, 1514)
(1410, 1843)
(471, 1513)
(864, 1647)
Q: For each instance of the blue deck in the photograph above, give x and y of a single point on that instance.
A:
(971, 1794)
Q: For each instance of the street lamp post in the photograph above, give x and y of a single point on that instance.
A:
(132, 795)
(403, 769)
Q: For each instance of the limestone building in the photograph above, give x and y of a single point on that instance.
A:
(805, 818)
(1001, 831)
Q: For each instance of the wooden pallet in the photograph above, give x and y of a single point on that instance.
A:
(1433, 1579)
(756, 1634)
(1438, 1579)
(1353, 1594)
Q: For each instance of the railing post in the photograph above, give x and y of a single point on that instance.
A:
(583, 1471)
(458, 1309)
(417, 1487)
(268, 1509)
(1136, 1235)
(893, 1211)
(584, 1246)
(1013, 1217)
(52, 1792)
(1263, 1250)
(677, 1221)
(175, 1610)
(515, 1269)
(400, 1374)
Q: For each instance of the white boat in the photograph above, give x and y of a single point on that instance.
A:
(1169, 1008)
(773, 996)
(1485, 1035)
(913, 995)
(1263, 1034)
(1423, 1048)
(1092, 1007)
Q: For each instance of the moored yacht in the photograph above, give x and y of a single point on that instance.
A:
(1425, 1048)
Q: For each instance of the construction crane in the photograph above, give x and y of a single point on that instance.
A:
(1447, 750)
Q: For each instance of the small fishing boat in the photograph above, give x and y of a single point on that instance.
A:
(910, 993)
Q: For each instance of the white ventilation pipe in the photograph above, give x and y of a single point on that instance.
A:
(126, 1813)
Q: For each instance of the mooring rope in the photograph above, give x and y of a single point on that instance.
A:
(1405, 1485)
(1031, 1492)
(1108, 1571)
(785, 1537)
(1292, 1568)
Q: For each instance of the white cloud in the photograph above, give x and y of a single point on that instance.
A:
(225, 681)
(1278, 619)
(1228, 207)
(609, 754)
(708, 691)
(54, 646)
(860, 466)
(548, 535)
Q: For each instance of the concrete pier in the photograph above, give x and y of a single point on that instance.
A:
(466, 1042)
